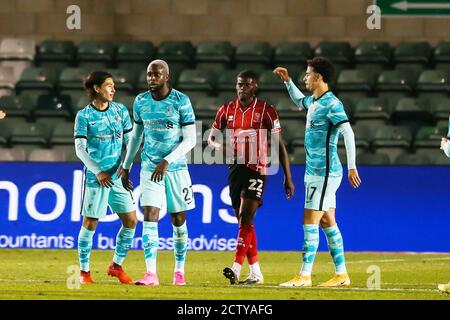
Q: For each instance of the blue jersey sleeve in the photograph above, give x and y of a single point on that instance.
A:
(81, 125)
(307, 101)
(337, 114)
(137, 110)
(186, 112)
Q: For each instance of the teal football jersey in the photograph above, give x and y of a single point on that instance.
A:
(104, 131)
(162, 120)
(323, 118)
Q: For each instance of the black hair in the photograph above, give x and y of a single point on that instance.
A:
(322, 66)
(247, 74)
(95, 78)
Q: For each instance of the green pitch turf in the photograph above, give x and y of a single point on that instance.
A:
(42, 274)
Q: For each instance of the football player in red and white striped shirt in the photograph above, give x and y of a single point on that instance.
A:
(251, 123)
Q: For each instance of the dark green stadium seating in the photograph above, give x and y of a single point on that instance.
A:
(253, 55)
(373, 159)
(62, 134)
(394, 84)
(373, 56)
(53, 106)
(339, 52)
(72, 78)
(412, 160)
(56, 53)
(298, 157)
(356, 84)
(135, 55)
(371, 112)
(411, 112)
(207, 107)
(17, 106)
(433, 84)
(271, 87)
(412, 55)
(197, 83)
(392, 141)
(442, 55)
(428, 141)
(30, 134)
(287, 109)
(42, 79)
(124, 79)
(95, 54)
(226, 85)
(5, 133)
(213, 56)
(178, 54)
(441, 111)
(293, 56)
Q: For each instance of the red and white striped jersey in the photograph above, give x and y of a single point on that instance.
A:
(249, 131)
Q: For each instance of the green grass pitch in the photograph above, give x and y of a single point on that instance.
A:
(42, 274)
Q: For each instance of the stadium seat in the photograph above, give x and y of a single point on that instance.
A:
(72, 78)
(287, 109)
(121, 97)
(124, 79)
(271, 87)
(214, 56)
(412, 160)
(207, 107)
(79, 101)
(38, 79)
(253, 55)
(17, 106)
(178, 54)
(72, 157)
(411, 112)
(440, 159)
(62, 134)
(226, 85)
(46, 155)
(339, 52)
(433, 84)
(53, 106)
(392, 141)
(196, 83)
(135, 55)
(17, 53)
(292, 55)
(30, 134)
(293, 133)
(356, 84)
(373, 159)
(428, 140)
(394, 84)
(56, 53)
(12, 154)
(298, 157)
(364, 135)
(300, 83)
(442, 56)
(95, 54)
(6, 81)
(371, 112)
(412, 55)
(441, 111)
(5, 133)
(373, 56)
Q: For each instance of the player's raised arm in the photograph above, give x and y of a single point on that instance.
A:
(294, 92)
